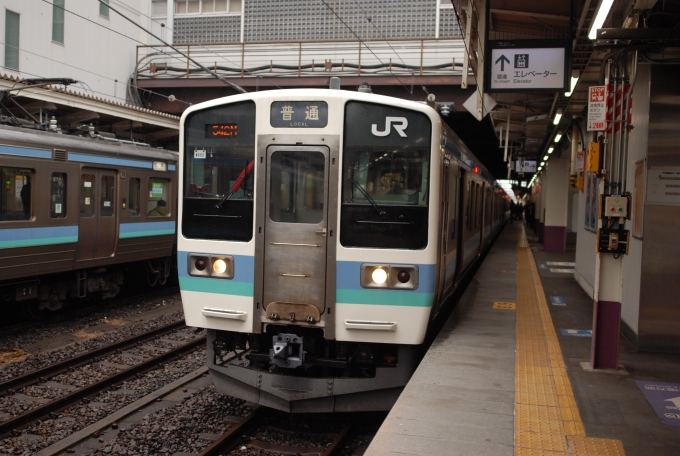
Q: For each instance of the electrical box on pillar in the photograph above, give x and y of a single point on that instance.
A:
(594, 151)
(613, 209)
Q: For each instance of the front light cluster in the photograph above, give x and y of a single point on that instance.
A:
(218, 266)
(389, 276)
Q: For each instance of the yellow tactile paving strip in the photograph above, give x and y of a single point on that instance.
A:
(547, 421)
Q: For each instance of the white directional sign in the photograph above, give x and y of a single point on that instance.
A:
(526, 69)
(597, 108)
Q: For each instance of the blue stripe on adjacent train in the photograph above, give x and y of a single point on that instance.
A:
(27, 237)
(131, 230)
(25, 151)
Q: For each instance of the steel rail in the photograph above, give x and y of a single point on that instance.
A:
(231, 438)
(337, 445)
(41, 375)
(28, 417)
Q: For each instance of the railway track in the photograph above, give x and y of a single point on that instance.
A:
(14, 425)
(245, 435)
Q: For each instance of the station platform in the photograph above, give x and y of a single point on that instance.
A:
(505, 374)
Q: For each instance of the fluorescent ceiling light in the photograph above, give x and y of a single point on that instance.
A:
(558, 137)
(558, 116)
(602, 13)
(550, 151)
(542, 163)
(574, 81)
(545, 158)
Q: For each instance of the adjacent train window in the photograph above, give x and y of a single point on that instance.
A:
(385, 177)
(133, 196)
(296, 187)
(87, 195)
(107, 196)
(58, 195)
(15, 194)
(157, 205)
(219, 176)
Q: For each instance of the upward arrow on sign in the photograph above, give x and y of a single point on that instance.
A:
(503, 59)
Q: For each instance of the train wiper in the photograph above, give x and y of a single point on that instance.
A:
(368, 197)
(237, 184)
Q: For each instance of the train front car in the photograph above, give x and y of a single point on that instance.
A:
(307, 237)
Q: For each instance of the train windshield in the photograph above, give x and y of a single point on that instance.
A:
(385, 177)
(219, 154)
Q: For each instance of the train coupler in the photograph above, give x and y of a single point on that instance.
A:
(287, 351)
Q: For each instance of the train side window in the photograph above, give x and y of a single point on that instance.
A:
(157, 204)
(87, 194)
(15, 194)
(58, 195)
(133, 196)
(107, 196)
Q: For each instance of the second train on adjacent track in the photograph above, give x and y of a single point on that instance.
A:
(323, 231)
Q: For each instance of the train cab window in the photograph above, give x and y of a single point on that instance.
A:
(58, 195)
(15, 194)
(219, 173)
(385, 177)
(87, 194)
(157, 204)
(133, 196)
(296, 187)
(107, 196)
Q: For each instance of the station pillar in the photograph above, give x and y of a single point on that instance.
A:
(556, 204)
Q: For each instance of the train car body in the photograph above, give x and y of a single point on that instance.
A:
(323, 230)
(74, 209)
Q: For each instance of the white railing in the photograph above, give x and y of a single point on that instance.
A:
(302, 59)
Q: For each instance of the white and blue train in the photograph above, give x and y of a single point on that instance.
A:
(323, 231)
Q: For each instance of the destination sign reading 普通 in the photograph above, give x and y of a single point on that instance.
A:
(221, 130)
(299, 114)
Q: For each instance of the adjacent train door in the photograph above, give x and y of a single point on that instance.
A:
(295, 232)
(97, 225)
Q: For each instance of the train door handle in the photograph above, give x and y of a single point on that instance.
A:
(322, 232)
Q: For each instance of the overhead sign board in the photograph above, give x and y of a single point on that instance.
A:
(597, 108)
(527, 66)
(525, 166)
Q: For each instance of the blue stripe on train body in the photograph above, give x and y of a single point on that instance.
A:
(25, 151)
(140, 229)
(243, 283)
(46, 235)
(348, 289)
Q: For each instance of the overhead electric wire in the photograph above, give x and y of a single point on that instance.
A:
(195, 45)
(88, 71)
(230, 84)
(364, 44)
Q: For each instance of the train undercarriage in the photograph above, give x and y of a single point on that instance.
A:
(294, 369)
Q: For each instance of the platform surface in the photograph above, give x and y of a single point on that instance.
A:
(503, 381)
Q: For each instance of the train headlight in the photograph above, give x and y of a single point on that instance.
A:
(219, 266)
(389, 276)
(379, 276)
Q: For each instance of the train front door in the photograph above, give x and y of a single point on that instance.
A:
(296, 221)
(97, 225)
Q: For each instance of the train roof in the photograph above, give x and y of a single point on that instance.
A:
(98, 145)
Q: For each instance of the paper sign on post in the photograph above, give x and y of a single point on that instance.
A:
(597, 108)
